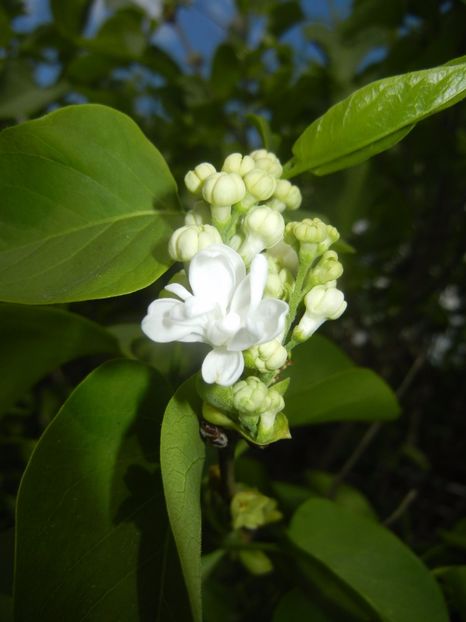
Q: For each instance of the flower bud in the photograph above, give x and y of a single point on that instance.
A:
(195, 179)
(327, 270)
(250, 509)
(286, 196)
(186, 241)
(239, 164)
(256, 562)
(266, 357)
(260, 184)
(250, 396)
(268, 162)
(313, 235)
(264, 227)
(285, 256)
(322, 303)
(222, 190)
(199, 215)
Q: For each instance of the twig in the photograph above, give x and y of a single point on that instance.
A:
(226, 462)
(401, 509)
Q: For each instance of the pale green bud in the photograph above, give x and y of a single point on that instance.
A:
(313, 235)
(250, 509)
(266, 357)
(186, 241)
(328, 269)
(267, 161)
(250, 396)
(199, 215)
(264, 227)
(259, 184)
(322, 303)
(279, 280)
(256, 562)
(286, 196)
(222, 190)
(237, 163)
(194, 179)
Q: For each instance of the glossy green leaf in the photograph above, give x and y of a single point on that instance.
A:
(297, 607)
(88, 206)
(374, 118)
(37, 340)
(93, 541)
(377, 566)
(21, 96)
(325, 386)
(182, 455)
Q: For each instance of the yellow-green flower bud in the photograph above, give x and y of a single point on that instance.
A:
(260, 184)
(250, 509)
(237, 163)
(327, 270)
(222, 190)
(250, 396)
(186, 241)
(322, 303)
(266, 357)
(285, 256)
(264, 227)
(267, 161)
(256, 562)
(313, 235)
(194, 179)
(199, 215)
(286, 196)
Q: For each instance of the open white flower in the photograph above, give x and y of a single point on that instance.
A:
(225, 310)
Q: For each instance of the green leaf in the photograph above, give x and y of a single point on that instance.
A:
(20, 96)
(182, 455)
(296, 607)
(93, 541)
(70, 17)
(369, 559)
(37, 340)
(453, 579)
(374, 118)
(6, 608)
(87, 208)
(325, 386)
(284, 15)
(226, 70)
(121, 36)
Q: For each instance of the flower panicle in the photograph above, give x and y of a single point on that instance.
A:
(254, 285)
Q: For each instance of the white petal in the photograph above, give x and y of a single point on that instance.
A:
(222, 367)
(160, 326)
(269, 319)
(245, 338)
(179, 290)
(215, 272)
(258, 278)
(250, 291)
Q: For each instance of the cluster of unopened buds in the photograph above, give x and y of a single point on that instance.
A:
(253, 286)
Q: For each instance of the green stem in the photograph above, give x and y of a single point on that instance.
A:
(296, 295)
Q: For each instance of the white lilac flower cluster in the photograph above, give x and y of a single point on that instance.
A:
(247, 278)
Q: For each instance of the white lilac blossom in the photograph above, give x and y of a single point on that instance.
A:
(221, 191)
(237, 163)
(225, 309)
(285, 196)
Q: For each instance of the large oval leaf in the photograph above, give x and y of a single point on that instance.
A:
(37, 340)
(296, 607)
(374, 118)
(88, 204)
(182, 456)
(370, 560)
(325, 386)
(93, 541)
